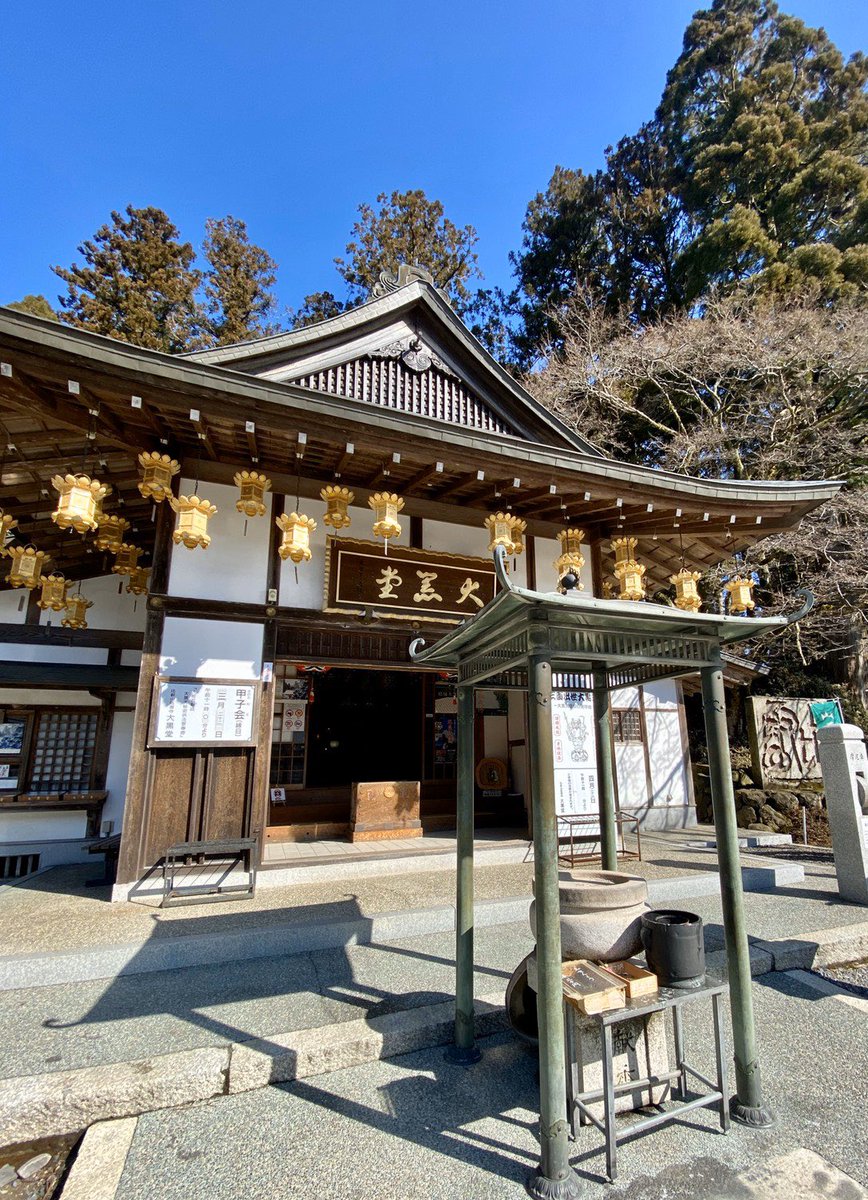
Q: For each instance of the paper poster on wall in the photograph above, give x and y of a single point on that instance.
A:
(203, 712)
(575, 757)
(294, 719)
(445, 739)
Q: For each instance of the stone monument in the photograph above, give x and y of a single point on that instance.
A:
(389, 809)
(845, 774)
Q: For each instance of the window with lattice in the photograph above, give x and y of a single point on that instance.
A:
(627, 725)
(64, 744)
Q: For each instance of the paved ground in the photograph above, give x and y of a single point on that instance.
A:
(66, 1026)
(416, 1127)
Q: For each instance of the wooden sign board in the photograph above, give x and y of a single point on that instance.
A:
(198, 713)
(425, 584)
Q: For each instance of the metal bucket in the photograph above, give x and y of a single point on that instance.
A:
(674, 947)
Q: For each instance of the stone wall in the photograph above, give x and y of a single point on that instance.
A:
(775, 809)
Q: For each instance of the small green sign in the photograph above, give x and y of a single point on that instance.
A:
(827, 712)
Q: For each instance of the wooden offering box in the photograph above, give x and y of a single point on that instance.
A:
(590, 989)
(637, 980)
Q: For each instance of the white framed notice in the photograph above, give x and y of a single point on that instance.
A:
(199, 713)
(575, 757)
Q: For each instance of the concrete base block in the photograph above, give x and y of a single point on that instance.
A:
(775, 875)
(761, 961)
(639, 1050)
(37, 1106)
(100, 1161)
(307, 1052)
(822, 948)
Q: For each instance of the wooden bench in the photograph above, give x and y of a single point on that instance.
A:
(206, 856)
(110, 847)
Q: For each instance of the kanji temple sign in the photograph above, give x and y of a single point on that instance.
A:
(449, 587)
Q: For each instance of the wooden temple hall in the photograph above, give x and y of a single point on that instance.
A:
(215, 565)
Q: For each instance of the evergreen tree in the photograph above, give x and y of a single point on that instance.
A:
(319, 306)
(36, 305)
(238, 282)
(137, 283)
(408, 228)
(752, 173)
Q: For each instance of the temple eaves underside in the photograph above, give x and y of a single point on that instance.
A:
(56, 380)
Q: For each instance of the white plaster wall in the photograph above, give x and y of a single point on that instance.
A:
(470, 540)
(117, 769)
(547, 550)
(625, 698)
(518, 733)
(307, 591)
(112, 608)
(666, 751)
(234, 566)
(496, 737)
(131, 658)
(41, 826)
(211, 649)
(630, 765)
(10, 598)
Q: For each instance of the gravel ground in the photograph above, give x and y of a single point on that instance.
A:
(852, 975)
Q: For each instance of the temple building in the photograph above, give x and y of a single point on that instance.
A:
(215, 565)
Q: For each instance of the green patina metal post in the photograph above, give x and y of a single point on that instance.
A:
(605, 774)
(747, 1104)
(464, 1051)
(556, 1179)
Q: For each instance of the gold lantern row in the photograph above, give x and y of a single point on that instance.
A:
(194, 513)
(386, 506)
(687, 596)
(137, 584)
(80, 503)
(628, 571)
(110, 532)
(253, 486)
(76, 612)
(570, 558)
(28, 564)
(337, 501)
(295, 543)
(53, 592)
(157, 472)
(739, 590)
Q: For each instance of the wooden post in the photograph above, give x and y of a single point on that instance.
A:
(555, 1177)
(747, 1105)
(132, 850)
(465, 1051)
(605, 771)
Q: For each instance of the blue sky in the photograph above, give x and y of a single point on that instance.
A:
(289, 115)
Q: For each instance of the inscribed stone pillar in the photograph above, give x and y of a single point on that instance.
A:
(844, 763)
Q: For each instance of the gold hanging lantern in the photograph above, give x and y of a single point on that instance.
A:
(80, 502)
(253, 487)
(518, 528)
(193, 517)
(570, 558)
(629, 572)
(126, 558)
(337, 501)
(295, 543)
(7, 524)
(501, 528)
(157, 472)
(110, 532)
(687, 596)
(138, 581)
(386, 506)
(53, 592)
(740, 591)
(28, 564)
(76, 612)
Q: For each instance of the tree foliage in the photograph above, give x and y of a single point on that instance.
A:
(759, 388)
(401, 229)
(36, 305)
(751, 173)
(137, 282)
(237, 283)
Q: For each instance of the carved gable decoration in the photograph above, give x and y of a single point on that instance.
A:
(408, 376)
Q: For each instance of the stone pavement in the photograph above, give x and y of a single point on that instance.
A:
(414, 1126)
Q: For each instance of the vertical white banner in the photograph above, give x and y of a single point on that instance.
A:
(575, 756)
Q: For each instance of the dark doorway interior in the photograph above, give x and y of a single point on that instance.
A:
(365, 725)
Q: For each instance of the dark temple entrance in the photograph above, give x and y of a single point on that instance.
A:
(365, 725)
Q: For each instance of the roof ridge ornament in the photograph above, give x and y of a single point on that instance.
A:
(392, 281)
